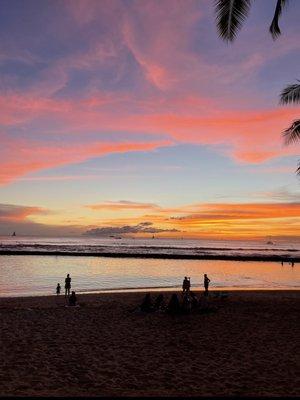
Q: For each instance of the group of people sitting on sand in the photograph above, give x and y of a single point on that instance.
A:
(188, 302)
(72, 300)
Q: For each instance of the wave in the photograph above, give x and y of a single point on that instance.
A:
(159, 248)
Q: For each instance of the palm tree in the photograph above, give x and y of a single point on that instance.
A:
(230, 15)
(291, 94)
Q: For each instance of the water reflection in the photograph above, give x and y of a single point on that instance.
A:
(39, 275)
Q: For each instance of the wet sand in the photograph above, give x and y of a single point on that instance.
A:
(249, 347)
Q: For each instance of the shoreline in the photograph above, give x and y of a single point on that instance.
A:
(254, 257)
(246, 347)
(143, 292)
(155, 290)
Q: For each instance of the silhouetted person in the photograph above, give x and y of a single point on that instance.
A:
(293, 263)
(67, 285)
(194, 301)
(58, 289)
(72, 299)
(186, 284)
(186, 304)
(159, 303)
(173, 306)
(206, 284)
(147, 305)
(282, 263)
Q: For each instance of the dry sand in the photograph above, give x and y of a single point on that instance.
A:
(249, 347)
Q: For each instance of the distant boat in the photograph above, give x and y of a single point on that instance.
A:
(14, 234)
(153, 237)
(270, 241)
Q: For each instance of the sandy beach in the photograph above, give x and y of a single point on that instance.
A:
(249, 347)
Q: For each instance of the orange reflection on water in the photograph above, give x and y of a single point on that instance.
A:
(39, 275)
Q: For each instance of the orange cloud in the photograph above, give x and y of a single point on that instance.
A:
(222, 220)
(123, 205)
(241, 220)
(240, 211)
(10, 212)
(249, 220)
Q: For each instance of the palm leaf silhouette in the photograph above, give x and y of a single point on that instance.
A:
(292, 133)
(230, 15)
(290, 94)
(274, 27)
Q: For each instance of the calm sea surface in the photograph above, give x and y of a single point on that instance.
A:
(39, 275)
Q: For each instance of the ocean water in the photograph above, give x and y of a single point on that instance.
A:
(284, 248)
(39, 275)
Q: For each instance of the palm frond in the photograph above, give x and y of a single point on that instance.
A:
(292, 133)
(298, 169)
(274, 27)
(230, 15)
(290, 94)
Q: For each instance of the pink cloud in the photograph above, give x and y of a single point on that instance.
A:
(20, 157)
(172, 100)
(250, 136)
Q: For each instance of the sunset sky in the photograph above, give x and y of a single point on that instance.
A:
(133, 117)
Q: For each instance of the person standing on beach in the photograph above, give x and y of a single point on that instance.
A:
(58, 287)
(206, 284)
(67, 285)
(186, 284)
